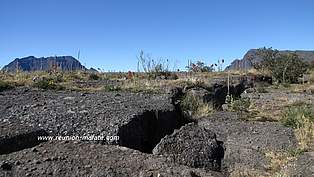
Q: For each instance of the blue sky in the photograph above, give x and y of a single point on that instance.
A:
(111, 33)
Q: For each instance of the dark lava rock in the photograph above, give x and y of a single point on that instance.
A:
(137, 120)
(302, 167)
(15, 136)
(193, 146)
(247, 142)
(84, 159)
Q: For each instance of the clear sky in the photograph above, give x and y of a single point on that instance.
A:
(111, 33)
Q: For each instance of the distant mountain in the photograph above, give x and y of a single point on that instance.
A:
(245, 63)
(31, 63)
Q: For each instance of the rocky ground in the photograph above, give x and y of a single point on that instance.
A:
(271, 103)
(155, 139)
(85, 159)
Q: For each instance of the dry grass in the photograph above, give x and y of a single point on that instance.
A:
(204, 110)
(300, 116)
(195, 107)
(305, 135)
(139, 82)
(278, 160)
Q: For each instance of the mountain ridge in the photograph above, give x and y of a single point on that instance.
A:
(31, 63)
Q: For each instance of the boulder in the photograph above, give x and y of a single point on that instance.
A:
(193, 146)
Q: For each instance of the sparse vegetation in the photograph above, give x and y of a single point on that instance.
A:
(199, 66)
(110, 88)
(155, 68)
(93, 76)
(261, 90)
(295, 115)
(5, 86)
(239, 105)
(278, 160)
(48, 83)
(301, 118)
(196, 107)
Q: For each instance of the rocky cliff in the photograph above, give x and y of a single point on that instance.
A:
(31, 63)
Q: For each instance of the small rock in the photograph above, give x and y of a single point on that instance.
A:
(37, 162)
(33, 169)
(17, 163)
(84, 112)
(47, 159)
(88, 166)
(69, 98)
(70, 112)
(34, 150)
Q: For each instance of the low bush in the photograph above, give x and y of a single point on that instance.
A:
(93, 76)
(48, 83)
(301, 118)
(261, 90)
(239, 104)
(195, 107)
(5, 86)
(295, 115)
(111, 88)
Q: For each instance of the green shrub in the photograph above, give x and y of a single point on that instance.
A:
(239, 105)
(294, 116)
(5, 86)
(93, 76)
(195, 106)
(261, 90)
(199, 66)
(111, 88)
(48, 83)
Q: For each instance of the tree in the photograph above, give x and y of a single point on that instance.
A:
(200, 66)
(284, 67)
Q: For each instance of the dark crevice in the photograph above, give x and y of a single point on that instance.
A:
(21, 141)
(145, 131)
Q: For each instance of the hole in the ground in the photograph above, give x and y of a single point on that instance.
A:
(145, 131)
